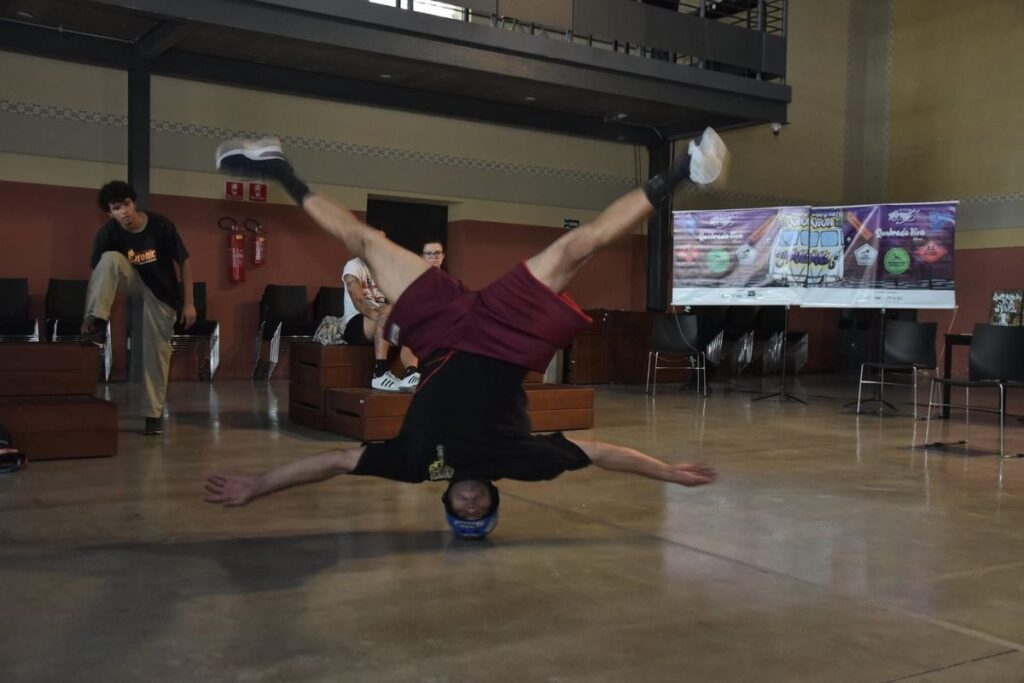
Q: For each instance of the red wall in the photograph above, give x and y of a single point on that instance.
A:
(480, 251)
(47, 231)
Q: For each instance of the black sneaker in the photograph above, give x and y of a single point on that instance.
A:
(97, 334)
(261, 158)
(154, 426)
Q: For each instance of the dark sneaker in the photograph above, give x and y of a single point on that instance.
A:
(154, 426)
(97, 334)
(261, 158)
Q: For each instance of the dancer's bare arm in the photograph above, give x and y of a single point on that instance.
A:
(232, 490)
(608, 456)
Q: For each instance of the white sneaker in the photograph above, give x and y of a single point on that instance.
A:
(410, 382)
(249, 158)
(709, 159)
(386, 382)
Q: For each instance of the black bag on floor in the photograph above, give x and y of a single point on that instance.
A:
(11, 459)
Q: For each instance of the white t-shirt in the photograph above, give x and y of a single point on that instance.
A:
(371, 293)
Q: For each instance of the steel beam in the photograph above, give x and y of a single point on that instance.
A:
(659, 235)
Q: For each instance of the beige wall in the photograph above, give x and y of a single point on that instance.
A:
(804, 164)
(957, 114)
(66, 124)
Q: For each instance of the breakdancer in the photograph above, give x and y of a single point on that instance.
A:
(467, 423)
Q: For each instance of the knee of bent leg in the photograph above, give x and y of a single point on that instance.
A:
(112, 258)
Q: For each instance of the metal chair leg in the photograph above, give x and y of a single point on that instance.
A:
(914, 399)
(1002, 420)
(647, 384)
(881, 392)
(860, 387)
(928, 423)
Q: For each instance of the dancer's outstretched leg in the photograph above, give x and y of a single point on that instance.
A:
(394, 267)
(556, 266)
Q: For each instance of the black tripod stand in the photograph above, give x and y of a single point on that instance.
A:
(783, 392)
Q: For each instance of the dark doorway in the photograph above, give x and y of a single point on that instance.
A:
(409, 224)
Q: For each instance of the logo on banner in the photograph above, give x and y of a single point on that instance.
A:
(897, 261)
(718, 260)
(901, 216)
(746, 255)
(931, 252)
(866, 255)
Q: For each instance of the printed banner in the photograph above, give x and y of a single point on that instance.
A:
(870, 256)
(894, 256)
(736, 257)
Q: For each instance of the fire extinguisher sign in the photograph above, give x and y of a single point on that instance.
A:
(257, 192)
(233, 190)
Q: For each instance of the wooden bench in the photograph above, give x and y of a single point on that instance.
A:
(57, 427)
(47, 369)
(314, 369)
(368, 415)
(48, 403)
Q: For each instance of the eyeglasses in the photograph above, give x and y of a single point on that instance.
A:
(433, 254)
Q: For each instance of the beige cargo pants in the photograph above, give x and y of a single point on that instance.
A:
(115, 274)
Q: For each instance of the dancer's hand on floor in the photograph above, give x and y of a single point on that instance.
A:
(231, 490)
(693, 475)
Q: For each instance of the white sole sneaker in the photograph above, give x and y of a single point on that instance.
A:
(263, 149)
(709, 160)
(410, 382)
(386, 382)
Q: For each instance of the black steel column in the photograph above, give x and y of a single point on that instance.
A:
(138, 178)
(659, 235)
(138, 130)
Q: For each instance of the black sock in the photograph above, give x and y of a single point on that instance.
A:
(663, 184)
(380, 367)
(281, 171)
(411, 370)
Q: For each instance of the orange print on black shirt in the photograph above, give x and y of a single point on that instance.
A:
(142, 257)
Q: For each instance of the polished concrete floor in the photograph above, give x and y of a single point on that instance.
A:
(830, 550)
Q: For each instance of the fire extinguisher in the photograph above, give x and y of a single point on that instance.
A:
(259, 241)
(236, 248)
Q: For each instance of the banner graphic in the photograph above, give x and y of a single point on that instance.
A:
(867, 256)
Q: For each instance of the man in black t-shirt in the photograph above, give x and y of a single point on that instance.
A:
(467, 423)
(140, 253)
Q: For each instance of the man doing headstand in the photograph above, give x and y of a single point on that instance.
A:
(467, 423)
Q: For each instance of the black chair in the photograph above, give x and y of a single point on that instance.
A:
(328, 301)
(675, 345)
(909, 348)
(284, 318)
(740, 323)
(64, 309)
(203, 336)
(15, 325)
(996, 362)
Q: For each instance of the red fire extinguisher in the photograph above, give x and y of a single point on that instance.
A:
(259, 241)
(236, 248)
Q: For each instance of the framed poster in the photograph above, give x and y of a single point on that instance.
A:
(1006, 307)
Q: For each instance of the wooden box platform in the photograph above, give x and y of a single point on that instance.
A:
(315, 368)
(55, 427)
(370, 415)
(44, 369)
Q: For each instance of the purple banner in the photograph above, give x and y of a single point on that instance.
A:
(876, 256)
(733, 252)
(895, 255)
